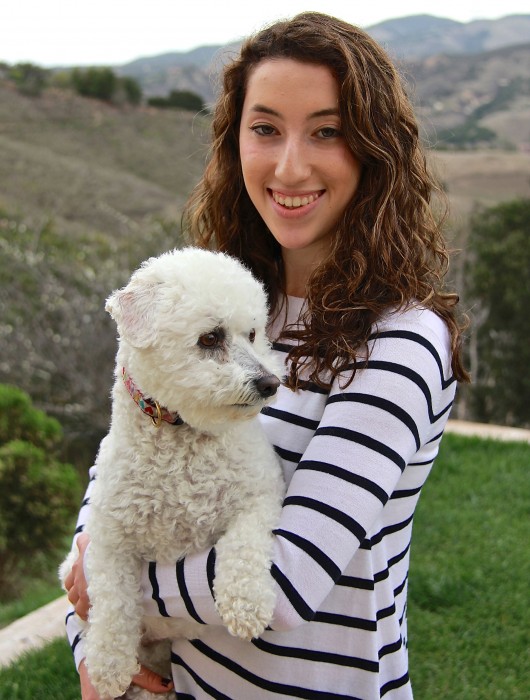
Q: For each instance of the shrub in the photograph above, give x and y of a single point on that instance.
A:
(179, 99)
(39, 495)
(29, 78)
(497, 285)
(19, 420)
(98, 83)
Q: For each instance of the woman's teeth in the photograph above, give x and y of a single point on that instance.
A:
(294, 202)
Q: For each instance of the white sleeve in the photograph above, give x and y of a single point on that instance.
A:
(367, 435)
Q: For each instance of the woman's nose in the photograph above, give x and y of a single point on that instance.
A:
(293, 164)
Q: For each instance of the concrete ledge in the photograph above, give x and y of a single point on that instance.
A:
(485, 430)
(33, 630)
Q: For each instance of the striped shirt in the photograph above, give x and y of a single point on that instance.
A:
(355, 459)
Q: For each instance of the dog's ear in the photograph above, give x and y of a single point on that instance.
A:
(132, 308)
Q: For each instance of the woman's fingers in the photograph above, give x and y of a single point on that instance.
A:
(75, 582)
(149, 680)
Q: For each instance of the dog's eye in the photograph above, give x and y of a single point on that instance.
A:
(210, 340)
(252, 336)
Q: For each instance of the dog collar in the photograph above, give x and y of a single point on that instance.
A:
(150, 407)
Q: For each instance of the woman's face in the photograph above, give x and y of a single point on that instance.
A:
(298, 170)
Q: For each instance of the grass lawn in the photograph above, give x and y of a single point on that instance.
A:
(469, 620)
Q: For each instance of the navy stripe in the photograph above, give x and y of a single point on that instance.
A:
(76, 641)
(282, 347)
(313, 551)
(337, 515)
(366, 441)
(384, 573)
(281, 689)
(69, 615)
(385, 612)
(345, 475)
(290, 418)
(363, 584)
(316, 656)
(416, 338)
(412, 376)
(287, 455)
(179, 661)
(399, 589)
(210, 570)
(156, 590)
(292, 595)
(421, 464)
(383, 404)
(346, 621)
(79, 529)
(389, 530)
(181, 581)
(390, 648)
(392, 685)
(405, 493)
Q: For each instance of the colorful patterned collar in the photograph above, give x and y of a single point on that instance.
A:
(149, 406)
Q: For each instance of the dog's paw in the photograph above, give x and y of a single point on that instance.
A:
(246, 611)
(110, 678)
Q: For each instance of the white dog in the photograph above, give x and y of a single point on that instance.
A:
(197, 470)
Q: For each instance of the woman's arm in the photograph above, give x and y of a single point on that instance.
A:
(366, 436)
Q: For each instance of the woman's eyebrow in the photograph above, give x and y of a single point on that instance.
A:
(331, 112)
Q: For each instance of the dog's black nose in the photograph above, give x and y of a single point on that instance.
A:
(267, 385)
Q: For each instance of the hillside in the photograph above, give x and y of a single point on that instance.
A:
(88, 165)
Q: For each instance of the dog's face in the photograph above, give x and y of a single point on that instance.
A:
(192, 336)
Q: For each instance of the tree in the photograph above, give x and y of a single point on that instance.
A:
(29, 78)
(39, 494)
(498, 281)
(99, 83)
(179, 99)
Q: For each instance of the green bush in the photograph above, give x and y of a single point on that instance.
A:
(39, 495)
(179, 99)
(19, 420)
(99, 83)
(497, 286)
(29, 78)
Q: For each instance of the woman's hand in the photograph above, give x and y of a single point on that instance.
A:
(147, 679)
(77, 587)
(88, 692)
(76, 583)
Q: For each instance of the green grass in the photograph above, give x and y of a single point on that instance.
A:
(469, 625)
(47, 674)
(37, 594)
(469, 621)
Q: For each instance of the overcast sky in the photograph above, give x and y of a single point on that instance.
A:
(112, 32)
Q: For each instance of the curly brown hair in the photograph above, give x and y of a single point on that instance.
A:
(388, 250)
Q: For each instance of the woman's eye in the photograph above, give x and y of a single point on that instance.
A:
(252, 336)
(329, 132)
(209, 340)
(263, 129)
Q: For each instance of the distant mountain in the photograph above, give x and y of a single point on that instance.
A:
(421, 36)
(406, 39)
(470, 82)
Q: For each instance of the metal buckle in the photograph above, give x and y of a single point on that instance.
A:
(157, 421)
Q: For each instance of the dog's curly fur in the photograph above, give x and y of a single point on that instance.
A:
(192, 336)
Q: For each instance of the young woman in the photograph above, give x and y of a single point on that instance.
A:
(318, 183)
